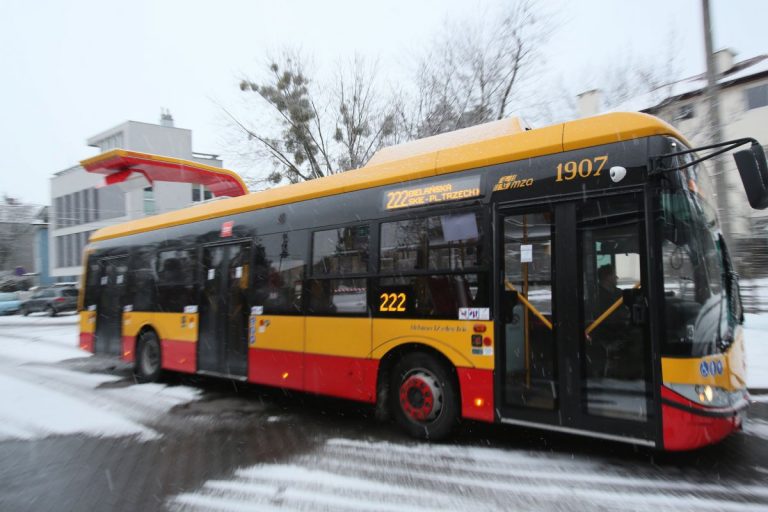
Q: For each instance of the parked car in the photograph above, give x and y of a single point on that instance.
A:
(9, 303)
(51, 300)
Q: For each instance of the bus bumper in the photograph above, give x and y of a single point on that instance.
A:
(688, 425)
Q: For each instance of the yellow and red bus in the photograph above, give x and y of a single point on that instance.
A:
(570, 278)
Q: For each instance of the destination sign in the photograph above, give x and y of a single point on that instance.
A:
(435, 192)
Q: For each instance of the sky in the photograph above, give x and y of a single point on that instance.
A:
(73, 69)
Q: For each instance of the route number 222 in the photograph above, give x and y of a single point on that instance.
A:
(392, 302)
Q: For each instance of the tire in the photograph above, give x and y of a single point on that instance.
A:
(147, 367)
(50, 311)
(424, 397)
(25, 311)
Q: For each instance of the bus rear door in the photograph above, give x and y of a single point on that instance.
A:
(113, 277)
(224, 310)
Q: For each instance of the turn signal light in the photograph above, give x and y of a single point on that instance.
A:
(487, 341)
(479, 328)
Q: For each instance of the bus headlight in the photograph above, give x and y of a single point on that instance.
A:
(705, 394)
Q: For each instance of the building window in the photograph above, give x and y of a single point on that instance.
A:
(77, 219)
(86, 205)
(59, 213)
(59, 251)
(757, 96)
(95, 204)
(149, 201)
(112, 200)
(684, 112)
(200, 193)
(67, 218)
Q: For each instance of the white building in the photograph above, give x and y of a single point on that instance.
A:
(80, 205)
(743, 91)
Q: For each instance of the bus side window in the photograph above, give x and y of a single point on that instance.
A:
(449, 246)
(279, 261)
(339, 257)
(175, 279)
(143, 291)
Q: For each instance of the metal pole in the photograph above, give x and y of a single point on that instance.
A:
(715, 126)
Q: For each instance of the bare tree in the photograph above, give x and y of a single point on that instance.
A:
(362, 124)
(323, 129)
(15, 222)
(474, 72)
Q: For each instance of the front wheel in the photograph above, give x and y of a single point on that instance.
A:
(424, 396)
(50, 311)
(147, 367)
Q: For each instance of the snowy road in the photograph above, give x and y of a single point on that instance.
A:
(76, 433)
(358, 475)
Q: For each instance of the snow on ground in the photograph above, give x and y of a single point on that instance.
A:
(349, 474)
(40, 399)
(756, 340)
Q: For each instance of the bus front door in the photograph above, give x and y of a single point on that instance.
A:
(223, 339)
(573, 319)
(113, 275)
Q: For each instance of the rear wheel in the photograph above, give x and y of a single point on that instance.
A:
(147, 366)
(25, 311)
(50, 311)
(424, 397)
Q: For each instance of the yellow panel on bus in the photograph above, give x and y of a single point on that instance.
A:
(467, 344)
(274, 332)
(727, 371)
(169, 326)
(338, 336)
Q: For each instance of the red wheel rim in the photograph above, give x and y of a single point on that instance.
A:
(420, 396)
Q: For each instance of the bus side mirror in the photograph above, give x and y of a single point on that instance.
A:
(754, 175)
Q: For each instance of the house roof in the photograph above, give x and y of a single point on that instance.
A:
(749, 69)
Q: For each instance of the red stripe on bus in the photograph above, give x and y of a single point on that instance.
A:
(279, 368)
(86, 341)
(179, 356)
(129, 349)
(342, 377)
(476, 393)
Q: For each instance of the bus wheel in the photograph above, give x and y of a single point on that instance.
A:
(147, 367)
(424, 397)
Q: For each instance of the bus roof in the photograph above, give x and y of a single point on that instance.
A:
(502, 141)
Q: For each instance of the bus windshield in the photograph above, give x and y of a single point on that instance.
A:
(695, 301)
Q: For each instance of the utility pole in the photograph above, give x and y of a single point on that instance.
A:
(715, 127)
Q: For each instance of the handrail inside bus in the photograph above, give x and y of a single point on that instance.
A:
(528, 305)
(608, 312)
